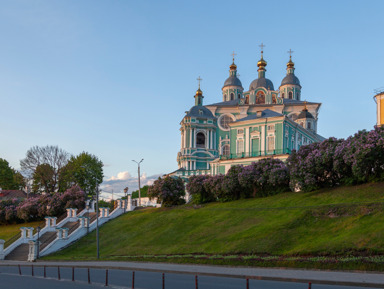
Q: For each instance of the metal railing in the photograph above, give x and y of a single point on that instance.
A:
(12, 240)
(255, 154)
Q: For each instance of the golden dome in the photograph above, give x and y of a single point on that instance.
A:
(290, 63)
(261, 62)
(233, 66)
(199, 92)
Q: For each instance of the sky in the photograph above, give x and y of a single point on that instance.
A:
(114, 78)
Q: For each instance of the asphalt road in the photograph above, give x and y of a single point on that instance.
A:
(10, 278)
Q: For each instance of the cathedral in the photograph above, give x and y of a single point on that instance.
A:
(246, 126)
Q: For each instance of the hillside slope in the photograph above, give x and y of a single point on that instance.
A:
(333, 221)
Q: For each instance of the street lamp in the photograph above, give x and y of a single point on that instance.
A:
(126, 198)
(38, 242)
(138, 171)
(97, 221)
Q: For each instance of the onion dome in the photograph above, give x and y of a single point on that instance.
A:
(305, 114)
(232, 80)
(200, 111)
(261, 81)
(290, 78)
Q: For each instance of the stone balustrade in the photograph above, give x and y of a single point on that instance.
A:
(33, 249)
(2, 254)
(50, 222)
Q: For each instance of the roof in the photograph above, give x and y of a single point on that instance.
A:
(200, 111)
(261, 82)
(232, 81)
(290, 79)
(226, 103)
(11, 194)
(305, 114)
(264, 114)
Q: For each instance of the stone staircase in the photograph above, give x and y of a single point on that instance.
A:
(20, 253)
(56, 236)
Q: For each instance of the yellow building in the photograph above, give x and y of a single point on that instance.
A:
(379, 98)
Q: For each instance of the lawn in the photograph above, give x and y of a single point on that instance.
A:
(338, 222)
(8, 231)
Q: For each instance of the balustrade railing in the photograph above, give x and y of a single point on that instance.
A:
(11, 240)
(255, 154)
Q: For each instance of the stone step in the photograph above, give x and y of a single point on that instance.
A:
(46, 239)
(20, 253)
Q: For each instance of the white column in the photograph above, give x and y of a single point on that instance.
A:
(2, 255)
(247, 140)
(74, 212)
(82, 222)
(101, 212)
(194, 138)
(106, 212)
(53, 221)
(48, 222)
(59, 233)
(30, 232)
(129, 203)
(69, 213)
(190, 137)
(23, 232)
(65, 233)
(33, 247)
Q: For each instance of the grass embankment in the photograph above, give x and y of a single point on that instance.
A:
(282, 230)
(8, 231)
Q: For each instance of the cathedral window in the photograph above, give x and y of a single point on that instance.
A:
(240, 131)
(247, 99)
(232, 96)
(200, 140)
(225, 150)
(260, 98)
(240, 146)
(238, 96)
(290, 95)
(283, 95)
(309, 125)
(224, 122)
(270, 143)
(274, 99)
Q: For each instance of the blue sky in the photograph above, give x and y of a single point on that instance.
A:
(114, 78)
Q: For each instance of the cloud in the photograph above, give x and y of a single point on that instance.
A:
(115, 185)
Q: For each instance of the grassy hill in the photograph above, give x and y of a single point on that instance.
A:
(333, 222)
(8, 231)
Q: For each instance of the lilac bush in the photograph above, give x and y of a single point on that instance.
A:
(199, 193)
(360, 158)
(265, 177)
(312, 166)
(169, 191)
(36, 208)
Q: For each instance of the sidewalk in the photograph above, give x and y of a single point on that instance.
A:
(279, 274)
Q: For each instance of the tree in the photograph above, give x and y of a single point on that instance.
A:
(51, 156)
(84, 170)
(6, 176)
(43, 179)
(169, 191)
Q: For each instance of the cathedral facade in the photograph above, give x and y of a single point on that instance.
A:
(246, 126)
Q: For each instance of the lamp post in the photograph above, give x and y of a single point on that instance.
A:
(138, 171)
(97, 221)
(126, 198)
(38, 242)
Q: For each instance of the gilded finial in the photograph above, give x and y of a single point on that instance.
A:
(262, 49)
(290, 63)
(199, 80)
(305, 105)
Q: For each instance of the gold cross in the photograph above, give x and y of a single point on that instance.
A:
(199, 79)
(290, 53)
(262, 47)
(233, 56)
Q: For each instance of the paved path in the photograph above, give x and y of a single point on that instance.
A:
(294, 275)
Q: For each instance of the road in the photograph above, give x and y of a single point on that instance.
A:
(10, 278)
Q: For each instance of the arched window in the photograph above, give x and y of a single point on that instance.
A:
(232, 96)
(225, 150)
(200, 140)
(247, 99)
(224, 122)
(274, 99)
(290, 95)
(308, 125)
(283, 94)
(238, 96)
(260, 98)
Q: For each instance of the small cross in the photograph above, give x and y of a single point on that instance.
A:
(199, 80)
(262, 47)
(290, 53)
(233, 56)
